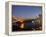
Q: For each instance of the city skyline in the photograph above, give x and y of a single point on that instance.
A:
(26, 11)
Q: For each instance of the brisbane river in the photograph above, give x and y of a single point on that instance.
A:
(28, 26)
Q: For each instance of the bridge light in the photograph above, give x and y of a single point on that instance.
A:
(22, 26)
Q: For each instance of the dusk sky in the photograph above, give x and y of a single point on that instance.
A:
(26, 11)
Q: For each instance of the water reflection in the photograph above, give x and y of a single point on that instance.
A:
(26, 26)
